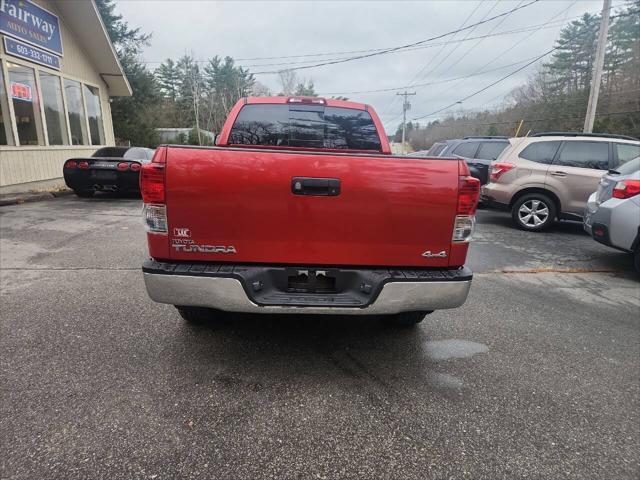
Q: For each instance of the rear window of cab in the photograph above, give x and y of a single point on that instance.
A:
(311, 126)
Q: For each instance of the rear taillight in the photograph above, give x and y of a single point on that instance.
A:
(155, 218)
(499, 169)
(83, 165)
(465, 221)
(122, 166)
(152, 183)
(135, 167)
(463, 228)
(71, 164)
(468, 194)
(626, 189)
(152, 188)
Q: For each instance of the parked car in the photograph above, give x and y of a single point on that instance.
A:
(109, 169)
(420, 153)
(612, 216)
(301, 208)
(550, 176)
(437, 148)
(477, 151)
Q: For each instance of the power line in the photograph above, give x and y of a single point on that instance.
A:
(530, 28)
(408, 45)
(490, 85)
(429, 45)
(444, 45)
(532, 120)
(390, 104)
(563, 103)
(436, 82)
(469, 50)
(453, 50)
(526, 37)
(345, 52)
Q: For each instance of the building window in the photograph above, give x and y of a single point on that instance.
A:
(6, 135)
(54, 109)
(77, 118)
(26, 107)
(94, 111)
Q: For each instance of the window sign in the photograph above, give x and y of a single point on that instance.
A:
(22, 50)
(31, 23)
(21, 91)
(26, 108)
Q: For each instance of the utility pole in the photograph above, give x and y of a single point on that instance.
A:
(405, 106)
(597, 67)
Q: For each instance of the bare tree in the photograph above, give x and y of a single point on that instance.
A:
(260, 90)
(288, 80)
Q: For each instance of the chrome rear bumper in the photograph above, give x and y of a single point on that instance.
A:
(229, 294)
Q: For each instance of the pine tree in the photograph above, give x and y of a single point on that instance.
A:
(168, 76)
(133, 118)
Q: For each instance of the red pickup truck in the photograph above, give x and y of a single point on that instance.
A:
(301, 208)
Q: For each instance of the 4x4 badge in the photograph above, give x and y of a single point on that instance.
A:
(441, 254)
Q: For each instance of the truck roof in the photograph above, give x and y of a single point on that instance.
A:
(329, 102)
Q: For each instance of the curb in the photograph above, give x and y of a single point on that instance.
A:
(11, 199)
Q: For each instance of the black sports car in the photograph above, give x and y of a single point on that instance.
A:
(109, 169)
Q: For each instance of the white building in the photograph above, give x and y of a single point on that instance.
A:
(58, 70)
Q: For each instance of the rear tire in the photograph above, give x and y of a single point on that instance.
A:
(197, 315)
(84, 193)
(406, 319)
(534, 212)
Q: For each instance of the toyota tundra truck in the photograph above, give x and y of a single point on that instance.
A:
(301, 208)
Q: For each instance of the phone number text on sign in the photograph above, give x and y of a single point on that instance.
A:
(22, 50)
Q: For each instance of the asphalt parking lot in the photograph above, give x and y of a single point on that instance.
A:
(535, 377)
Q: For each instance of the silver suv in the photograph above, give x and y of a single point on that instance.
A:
(612, 216)
(550, 176)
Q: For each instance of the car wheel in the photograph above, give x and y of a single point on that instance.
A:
(406, 319)
(197, 315)
(84, 193)
(534, 212)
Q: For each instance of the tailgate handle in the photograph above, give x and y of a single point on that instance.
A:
(325, 187)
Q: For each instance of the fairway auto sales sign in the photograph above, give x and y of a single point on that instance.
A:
(31, 23)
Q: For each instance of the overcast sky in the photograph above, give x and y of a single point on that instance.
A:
(246, 30)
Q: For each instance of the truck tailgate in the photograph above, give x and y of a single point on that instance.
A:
(237, 205)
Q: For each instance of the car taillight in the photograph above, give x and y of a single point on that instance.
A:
(468, 194)
(71, 164)
(152, 188)
(499, 169)
(465, 221)
(135, 167)
(155, 218)
(122, 166)
(83, 165)
(626, 189)
(152, 183)
(463, 228)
